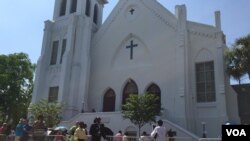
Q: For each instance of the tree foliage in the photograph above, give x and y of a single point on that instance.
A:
(51, 111)
(141, 109)
(234, 65)
(16, 82)
(238, 58)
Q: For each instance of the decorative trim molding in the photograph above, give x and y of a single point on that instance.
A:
(154, 12)
(202, 34)
(204, 55)
(55, 69)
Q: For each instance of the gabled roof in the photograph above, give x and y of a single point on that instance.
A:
(158, 10)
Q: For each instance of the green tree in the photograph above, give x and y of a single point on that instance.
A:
(234, 66)
(141, 109)
(238, 58)
(244, 47)
(16, 82)
(51, 111)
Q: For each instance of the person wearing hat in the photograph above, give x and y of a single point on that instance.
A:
(3, 129)
(95, 130)
(3, 132)
(159, 132)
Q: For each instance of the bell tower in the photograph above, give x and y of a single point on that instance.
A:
(63, 67)
(89, 8)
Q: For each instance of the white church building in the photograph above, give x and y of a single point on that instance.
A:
(92, 67)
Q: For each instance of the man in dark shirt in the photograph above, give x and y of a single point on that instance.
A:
(95, 130)
(26, 131)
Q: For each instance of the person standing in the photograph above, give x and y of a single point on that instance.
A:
(125, 137)
(159, 132)
(95, 130)
(19, 130)
(144, 137)
(26, 130)
(72, 131)
(3, 129)
(80, 133)
(3, 132)
(118, 136)
(39, 129)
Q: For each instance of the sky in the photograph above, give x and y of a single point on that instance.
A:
(22, 21)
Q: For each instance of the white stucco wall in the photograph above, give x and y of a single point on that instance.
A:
(154, 59)
(207, 45)
(168, 46)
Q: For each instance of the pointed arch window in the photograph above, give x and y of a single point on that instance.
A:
(130, 88)
(87, 9)
(63, 7)
(205, 82)
(73, 6)
(95, 18)
(155, 89)
(109, 101)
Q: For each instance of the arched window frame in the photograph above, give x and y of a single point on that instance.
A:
(205, 82)
(155, 89)
(109, 101)
(129, 88)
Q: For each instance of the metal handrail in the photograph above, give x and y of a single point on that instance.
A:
(210, 139)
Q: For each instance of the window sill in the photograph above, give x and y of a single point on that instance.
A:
(206, 105)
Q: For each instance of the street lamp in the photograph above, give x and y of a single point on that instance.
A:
(204, 134)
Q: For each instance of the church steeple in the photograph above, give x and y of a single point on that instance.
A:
(89, 8)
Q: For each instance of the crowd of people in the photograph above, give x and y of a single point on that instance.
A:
(78, 132)
(23, 130)
(159, 133)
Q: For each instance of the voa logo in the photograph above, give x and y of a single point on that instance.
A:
(236, 132)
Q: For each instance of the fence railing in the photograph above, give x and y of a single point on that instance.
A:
(149, 138)
(108, 138)
(4, 137)
(210, 139)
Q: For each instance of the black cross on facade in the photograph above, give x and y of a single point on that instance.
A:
(132, 10)
(131, 46)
